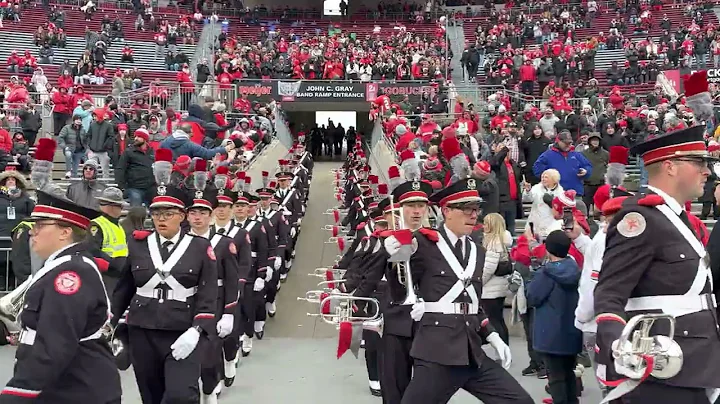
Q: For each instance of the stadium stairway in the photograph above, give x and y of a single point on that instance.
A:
(150, 66)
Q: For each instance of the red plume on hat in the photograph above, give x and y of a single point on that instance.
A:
(45, 149)
(200, 165)
(265, 178)
(42, 167)
(222, 170)
(162, 167)
(409, 164)
(163, 155)
(697, 96)
(619, 155)
(453, 153)
(618, 159)
(382, 189)
(240, 175)
(373, 179)
(394, 177)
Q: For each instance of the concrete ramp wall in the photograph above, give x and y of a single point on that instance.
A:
(267, 160)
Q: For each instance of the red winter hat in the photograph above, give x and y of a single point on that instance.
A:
(183, 162)
(143, 134)
(564, 200)
(482, 168)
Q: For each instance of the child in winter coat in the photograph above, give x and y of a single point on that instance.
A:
(553, 293)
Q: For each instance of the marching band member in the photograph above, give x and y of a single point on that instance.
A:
(292, 207)
(447, 270)
(65, 309)
(410, 201)
(276, 221)
(273, 264)
(224, 224)
(169, 286)
(365, 230)
(199, 217)
(252, 302)
(654, 262)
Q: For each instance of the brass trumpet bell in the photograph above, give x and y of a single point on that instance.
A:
(334, 240)
(635, 342)
(314, 296)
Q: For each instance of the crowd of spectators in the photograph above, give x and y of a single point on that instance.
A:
(397, 55)
(516, 47)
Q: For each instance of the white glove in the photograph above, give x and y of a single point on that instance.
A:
(259, 284)
(392, 245)
(418, 310)
(278, 262)
(269, 274)
(185, 344)
(293, 232)
(299, 221)
(225, 325)
(501, 348)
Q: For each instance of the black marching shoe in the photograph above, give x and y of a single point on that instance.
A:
(229, 381)
(261, 334)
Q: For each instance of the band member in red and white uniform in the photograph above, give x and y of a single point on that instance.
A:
(199, 217)
(169, 286)
(64, 312)
(446, 267)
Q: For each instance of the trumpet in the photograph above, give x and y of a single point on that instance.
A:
(314, 296)
(403, 268)
(333, 210)
(330, 284)
(635, 344)
(338, 308)
(328, 274)
(333, 240)
(337, 170)
(336, 229)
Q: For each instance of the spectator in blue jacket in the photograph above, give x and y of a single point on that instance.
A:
(553, 293)
(181, 145)
(572, 166)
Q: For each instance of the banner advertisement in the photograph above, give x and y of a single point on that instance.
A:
(257, 90)
(398, 90)
(317, 91)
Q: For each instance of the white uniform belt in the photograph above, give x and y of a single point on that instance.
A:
(177, 294)
(451, 308)
(681, 304)
(27, 336)
(220, 282)
(253, 254)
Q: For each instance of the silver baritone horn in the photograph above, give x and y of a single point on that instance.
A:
(636, 343)
(10, 307)
(339, 308)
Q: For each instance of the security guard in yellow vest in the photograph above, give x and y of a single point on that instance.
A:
(108, 236)
(24, 261)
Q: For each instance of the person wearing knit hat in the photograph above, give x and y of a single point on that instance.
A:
(553, 295)
(599, 158)
(487, 188)
(86, 191)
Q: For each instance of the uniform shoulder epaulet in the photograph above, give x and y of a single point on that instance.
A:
(651, 200)
(141, 234)
(431, 234)
(360, 226)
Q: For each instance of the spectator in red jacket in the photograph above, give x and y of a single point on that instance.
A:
(6, 142)
(62, 111)
(187, 88)
(528, 77)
